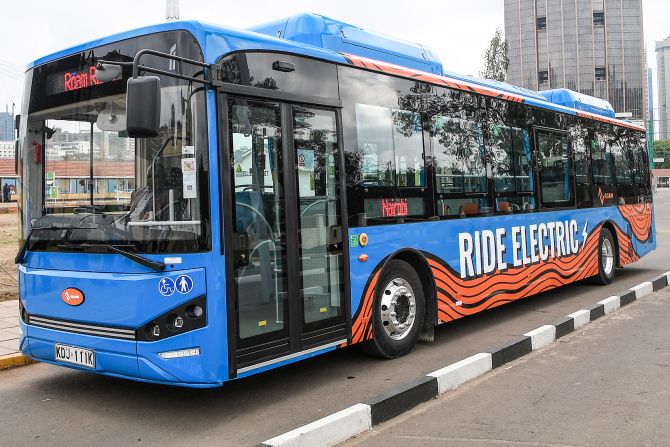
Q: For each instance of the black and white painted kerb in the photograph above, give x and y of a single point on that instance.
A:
(340, 426)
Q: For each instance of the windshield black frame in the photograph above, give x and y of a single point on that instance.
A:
(184, 124)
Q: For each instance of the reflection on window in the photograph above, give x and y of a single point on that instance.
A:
(642, 166)
(581, 163)
(555, 170)
(459, 156)
(391, 146)
(510, 152)
(623, 162)
(69, 182)
(602, 167)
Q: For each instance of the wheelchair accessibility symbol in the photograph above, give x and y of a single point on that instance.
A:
(184, 284)
(166, 286)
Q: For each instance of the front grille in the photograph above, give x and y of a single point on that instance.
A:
(81, 328)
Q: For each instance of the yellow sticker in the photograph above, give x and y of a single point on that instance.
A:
(263, 323)
(323, 310)
(363, 239)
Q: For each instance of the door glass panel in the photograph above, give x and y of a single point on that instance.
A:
(316, 146)
(259, 257)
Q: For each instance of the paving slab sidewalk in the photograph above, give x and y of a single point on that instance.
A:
(605, 384)
(9, 335)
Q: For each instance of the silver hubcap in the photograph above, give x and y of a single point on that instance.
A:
(608, 256)
(398, 309)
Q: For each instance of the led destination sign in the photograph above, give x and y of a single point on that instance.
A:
(71, 80)
(82, 79)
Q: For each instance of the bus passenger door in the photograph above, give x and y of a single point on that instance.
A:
(284, 249)
(321, 295)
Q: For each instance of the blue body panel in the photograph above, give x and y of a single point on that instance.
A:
(122, 293)
(320, 31)
(387, 239)
(579, 101)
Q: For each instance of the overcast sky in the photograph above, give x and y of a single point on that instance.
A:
(457, 30)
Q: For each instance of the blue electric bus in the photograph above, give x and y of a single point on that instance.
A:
(199, 203)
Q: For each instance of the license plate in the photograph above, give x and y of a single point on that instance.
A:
(75, 356)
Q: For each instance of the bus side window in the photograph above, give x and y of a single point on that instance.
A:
(642, 162)
(460, 173)
(602, 167)
(622, 156)
(391, 146)
(510, 155)
(555, 174)
(582, 168)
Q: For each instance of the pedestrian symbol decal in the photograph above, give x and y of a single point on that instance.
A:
(184, 284)
(166, 286)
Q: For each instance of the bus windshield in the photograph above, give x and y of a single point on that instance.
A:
(85, 182)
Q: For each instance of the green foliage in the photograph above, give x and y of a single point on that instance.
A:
(662, 150)
(496, 61)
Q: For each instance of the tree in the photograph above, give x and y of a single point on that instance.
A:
(495, 58)
(662, 150)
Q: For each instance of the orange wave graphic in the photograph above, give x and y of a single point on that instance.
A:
(627, 254)
(457, 297)
(461, 297)
(639, 217)
(361, 328)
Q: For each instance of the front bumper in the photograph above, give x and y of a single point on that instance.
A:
(125, 358)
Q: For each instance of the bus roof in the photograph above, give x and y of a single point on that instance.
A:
(217, 40)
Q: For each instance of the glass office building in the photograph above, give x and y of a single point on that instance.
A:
(663, 71)
(595, 47)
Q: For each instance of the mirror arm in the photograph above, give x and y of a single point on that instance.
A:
(100, 62)
(213, 69)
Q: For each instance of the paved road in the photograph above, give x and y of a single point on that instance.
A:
(608, 384)
(59, 406)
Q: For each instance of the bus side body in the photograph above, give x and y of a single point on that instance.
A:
(495, 201)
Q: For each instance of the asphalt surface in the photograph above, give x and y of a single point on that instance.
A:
(46, 405)
(605, 385)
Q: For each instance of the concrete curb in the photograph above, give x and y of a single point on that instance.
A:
(361, 417)
(13, 360)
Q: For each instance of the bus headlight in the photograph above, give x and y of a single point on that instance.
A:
(186, 317)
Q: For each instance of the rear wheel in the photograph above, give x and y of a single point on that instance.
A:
(606, 258)
(398, 311)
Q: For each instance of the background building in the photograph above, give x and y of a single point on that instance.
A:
(595, 47)
(6, 125)
(663, 73)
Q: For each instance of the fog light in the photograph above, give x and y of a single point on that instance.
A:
(194, 311)
(178, 354)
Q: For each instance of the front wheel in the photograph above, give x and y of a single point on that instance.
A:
(398, 312)
(606, 258)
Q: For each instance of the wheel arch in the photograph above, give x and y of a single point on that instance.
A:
(612, 229)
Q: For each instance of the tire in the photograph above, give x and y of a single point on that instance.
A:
(607, 251)
(395, 327)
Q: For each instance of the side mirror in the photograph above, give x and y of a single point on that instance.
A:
(143, 107)
(107, 72)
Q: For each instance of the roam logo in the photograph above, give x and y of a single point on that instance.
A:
(72, 297)
(604, 196)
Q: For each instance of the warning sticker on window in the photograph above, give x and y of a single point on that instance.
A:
(190, 181)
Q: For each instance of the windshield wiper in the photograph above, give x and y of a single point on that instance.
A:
(24, 247)
(154, 265)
